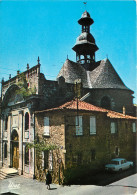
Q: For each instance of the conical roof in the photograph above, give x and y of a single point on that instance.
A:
(103, 76)
(72, 71)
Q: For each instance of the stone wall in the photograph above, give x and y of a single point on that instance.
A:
(118, 98)
(56, 137)
(103, 143)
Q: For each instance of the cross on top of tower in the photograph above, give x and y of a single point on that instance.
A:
(85, 3)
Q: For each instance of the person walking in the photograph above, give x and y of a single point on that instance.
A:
(48, 180)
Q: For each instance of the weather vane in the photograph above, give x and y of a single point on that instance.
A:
(85, 3)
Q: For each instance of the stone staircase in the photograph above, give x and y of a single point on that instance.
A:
(6, 173)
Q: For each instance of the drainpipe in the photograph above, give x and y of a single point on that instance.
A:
(34, 177)
(2, 138)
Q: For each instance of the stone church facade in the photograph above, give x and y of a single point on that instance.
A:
(30, 92)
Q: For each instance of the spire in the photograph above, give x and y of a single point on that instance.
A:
(85, 46)
(27, 66)
(38, 61)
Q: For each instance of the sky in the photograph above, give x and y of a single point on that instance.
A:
(49, 29)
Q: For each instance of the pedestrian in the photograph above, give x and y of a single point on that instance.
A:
(48, 180)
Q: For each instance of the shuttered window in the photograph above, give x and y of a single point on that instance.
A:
(46, 126)
(92, 125)
(45, 155)
(134, 127)
(113, 127)
(79, 127)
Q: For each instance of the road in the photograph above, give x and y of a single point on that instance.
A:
(25, 186)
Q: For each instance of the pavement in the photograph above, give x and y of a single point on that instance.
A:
(24, 186)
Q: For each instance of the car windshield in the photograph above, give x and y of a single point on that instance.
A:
(115, 162)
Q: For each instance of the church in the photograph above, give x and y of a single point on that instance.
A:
(29, 94)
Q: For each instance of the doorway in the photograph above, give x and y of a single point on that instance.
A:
(15, 149)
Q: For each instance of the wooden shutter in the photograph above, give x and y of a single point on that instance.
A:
(134, 127)
(79, 128)
(113, 127)
(92, 125)
(46, 126)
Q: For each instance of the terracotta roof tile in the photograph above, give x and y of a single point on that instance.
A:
(72, 105)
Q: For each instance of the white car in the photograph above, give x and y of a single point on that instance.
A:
(118, 164)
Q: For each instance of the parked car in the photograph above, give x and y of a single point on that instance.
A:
(118, 164)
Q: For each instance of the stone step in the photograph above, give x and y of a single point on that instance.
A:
(8, 173)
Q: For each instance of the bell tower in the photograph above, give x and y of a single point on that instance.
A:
(85, 46)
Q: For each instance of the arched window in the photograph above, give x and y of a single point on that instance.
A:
(26, 121)
(5, 150)
(26, 156)
(105, 102)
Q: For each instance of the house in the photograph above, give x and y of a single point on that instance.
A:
(86, 135)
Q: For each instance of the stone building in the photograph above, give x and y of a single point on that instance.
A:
(30, 91)
(17, 121)
(86, 135)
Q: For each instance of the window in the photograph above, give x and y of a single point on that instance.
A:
(117, 151)
(113, 127)
(92, 125)
(93, 154)
(46, 126)
(79, 128)
(26, 156)
(26, 121)
(87, 28)
(105, 102)
(134, 127)
(45, 163)
(5, 150)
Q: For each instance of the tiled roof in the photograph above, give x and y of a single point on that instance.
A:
(83, 106)
(103, 75)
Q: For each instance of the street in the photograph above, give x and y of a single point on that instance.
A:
(24, 186)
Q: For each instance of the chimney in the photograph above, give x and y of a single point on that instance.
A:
(124, 110)
(9, 76)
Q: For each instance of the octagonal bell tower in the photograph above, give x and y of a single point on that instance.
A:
(85, 46)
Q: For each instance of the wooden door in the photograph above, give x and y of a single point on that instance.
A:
(15, 155)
